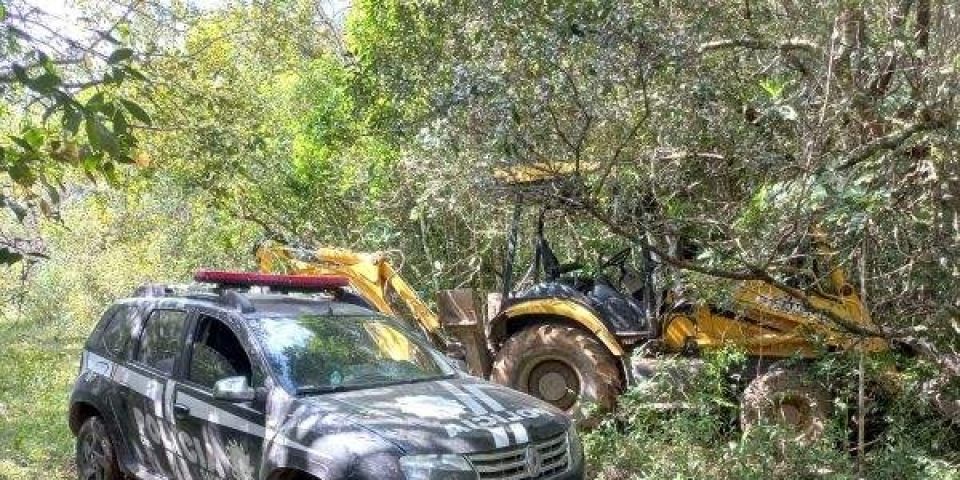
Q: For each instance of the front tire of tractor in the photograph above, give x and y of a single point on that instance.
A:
(787, 397)
(944, 392)
(561, 365)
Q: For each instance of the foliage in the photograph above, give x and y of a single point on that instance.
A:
(718, 137)
(121, 241)
(702, 441)
(61, 111)
(715, 136)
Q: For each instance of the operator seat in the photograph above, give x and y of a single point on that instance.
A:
(623, 312)
(552, 268)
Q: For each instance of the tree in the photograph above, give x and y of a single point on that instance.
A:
(739, 128)
(61, 111)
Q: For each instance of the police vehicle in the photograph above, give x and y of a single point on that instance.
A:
(279, 377)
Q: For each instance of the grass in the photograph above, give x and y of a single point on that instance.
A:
(38, 363)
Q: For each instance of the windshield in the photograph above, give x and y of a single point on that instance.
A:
(316, 354)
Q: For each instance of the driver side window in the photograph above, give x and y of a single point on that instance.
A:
(217, 354)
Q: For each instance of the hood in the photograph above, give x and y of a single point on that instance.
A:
(459, 415)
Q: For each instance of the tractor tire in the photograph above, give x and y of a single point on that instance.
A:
(944, 390)
(563, 366)
(790, 398)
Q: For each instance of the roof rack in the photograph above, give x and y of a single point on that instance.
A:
(238, 301)
(154, 290)
(227, 286)
(227, 296)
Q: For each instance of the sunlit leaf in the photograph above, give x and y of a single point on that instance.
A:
(120, 55)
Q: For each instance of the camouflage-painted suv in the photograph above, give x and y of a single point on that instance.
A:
(291, 383)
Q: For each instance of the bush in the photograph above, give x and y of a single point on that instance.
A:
(703, 439)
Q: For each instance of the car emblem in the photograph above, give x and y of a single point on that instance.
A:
(534, 461)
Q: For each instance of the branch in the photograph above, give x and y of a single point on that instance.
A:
(887, 142)
(758, 44)
(879, 86)
(749, 272)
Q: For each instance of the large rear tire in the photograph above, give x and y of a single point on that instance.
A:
(944, 390)
(561, 365)
(789, 398)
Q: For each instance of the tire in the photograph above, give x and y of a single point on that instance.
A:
(790, 398)
(561, 365)
(943, 391)
(95, 455)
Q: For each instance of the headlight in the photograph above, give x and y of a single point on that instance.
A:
(437, 467)
(576, 448)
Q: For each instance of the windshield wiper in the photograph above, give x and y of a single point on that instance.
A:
(321, 389)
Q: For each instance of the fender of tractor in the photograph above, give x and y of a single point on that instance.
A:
(525, 313)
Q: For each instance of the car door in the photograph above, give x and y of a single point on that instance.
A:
(147, 406)
(219, 439)
(111, 348)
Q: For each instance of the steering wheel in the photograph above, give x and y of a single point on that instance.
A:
(618, 259)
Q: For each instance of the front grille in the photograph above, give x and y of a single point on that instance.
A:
(512, 463)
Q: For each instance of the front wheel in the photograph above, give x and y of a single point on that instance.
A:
(561, 365)
(789, 398)
(95, 454)
(944, 389)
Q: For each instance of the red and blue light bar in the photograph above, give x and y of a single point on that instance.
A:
(282, 282)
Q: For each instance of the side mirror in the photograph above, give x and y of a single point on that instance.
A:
(458, 363)
(234, 390)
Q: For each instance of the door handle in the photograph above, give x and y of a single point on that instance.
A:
(181, 411)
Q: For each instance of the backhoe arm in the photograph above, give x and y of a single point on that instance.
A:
(370, 274)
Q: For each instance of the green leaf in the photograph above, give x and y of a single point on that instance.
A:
(52, 192)
(45, 83)
(121, 128)
(773, 87)
(96, 102)
(135, 74)
(19, 210)
(93, 132)
(20, 74)
(22, 143)
(136, 111)
(110, 172)
(100, 137)
(71, 120)
(45, 61)
(34, 136)
(19, 172)
(120, 55)
(7, 256)
(117, 75)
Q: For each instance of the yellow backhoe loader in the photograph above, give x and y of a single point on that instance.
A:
(577, 340)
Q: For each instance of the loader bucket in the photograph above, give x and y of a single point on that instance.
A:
(459, 317)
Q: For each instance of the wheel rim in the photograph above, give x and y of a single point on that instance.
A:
(92, 458)
(794, 411)
(555, 382)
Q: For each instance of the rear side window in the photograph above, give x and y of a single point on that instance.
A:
(116, 335)
(162, 339)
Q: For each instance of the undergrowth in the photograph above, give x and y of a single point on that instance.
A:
(905, 438)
